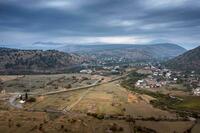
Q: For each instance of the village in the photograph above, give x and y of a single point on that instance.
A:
(96, 93)
(158, 77)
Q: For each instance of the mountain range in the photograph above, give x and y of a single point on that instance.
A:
(129, 51)
(14, 61)
(189, 61)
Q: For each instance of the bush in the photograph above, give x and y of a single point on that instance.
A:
(18, 125)
(31, 99)
(68, 86)
(100, 116)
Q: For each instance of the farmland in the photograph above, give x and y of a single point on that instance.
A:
(104, 107)
(45, 83)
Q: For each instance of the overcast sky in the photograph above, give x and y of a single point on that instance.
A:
(24, 22)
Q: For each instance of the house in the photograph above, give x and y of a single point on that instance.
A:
(87, 71)
(139, 82)
(116, 67)
(155, 74)
(168, 75)
(196, 91)
(3, 91)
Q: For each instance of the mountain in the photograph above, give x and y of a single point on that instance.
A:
(129, 51)
(14, 61)
(188, 61)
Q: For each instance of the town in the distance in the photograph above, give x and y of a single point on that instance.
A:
(101, 89)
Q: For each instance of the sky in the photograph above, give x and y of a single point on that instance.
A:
(52, 23)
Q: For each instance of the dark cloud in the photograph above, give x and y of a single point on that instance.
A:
(106, 21)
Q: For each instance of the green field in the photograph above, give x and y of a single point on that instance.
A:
(190, 103)
(180, 104)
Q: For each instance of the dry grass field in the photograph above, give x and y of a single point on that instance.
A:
(108, 98)
(70, 111)
(56, 101)
(113, 99)
(42, 122)
(46, 83)
(167, 127)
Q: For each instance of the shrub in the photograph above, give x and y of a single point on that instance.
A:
(100, 116)
(68, 86)
(18, 125)
(31, 99)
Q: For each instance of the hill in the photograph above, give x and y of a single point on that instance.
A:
(188, 61)
(15, 61)
(129, 51)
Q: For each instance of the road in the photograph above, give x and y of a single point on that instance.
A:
(83, 87)
(68, 108)
(13, 98)
(13, 103)
(72, 89)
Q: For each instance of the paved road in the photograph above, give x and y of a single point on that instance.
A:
(83, 87)
(13, 103)
(72, 89)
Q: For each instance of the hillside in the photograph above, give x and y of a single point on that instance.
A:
(187, 62)
(14, 61)
(133, 52)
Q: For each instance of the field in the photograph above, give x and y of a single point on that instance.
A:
(107, 107)
(167, 127)
(20, 121)
(171, 89)
(45, 83)
(56, 102)
(108, 98)
(191, 103)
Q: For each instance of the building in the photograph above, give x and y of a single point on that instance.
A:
(196, 91)
(87, 71)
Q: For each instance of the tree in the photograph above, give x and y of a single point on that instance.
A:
(20, 97)
(1, 85)
(26, 96)
(26, 93)
(68, 86)
(32, 99)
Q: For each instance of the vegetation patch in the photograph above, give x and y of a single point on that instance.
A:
(189, 105)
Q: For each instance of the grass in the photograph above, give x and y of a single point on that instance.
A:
(188, 103)
(45, 83)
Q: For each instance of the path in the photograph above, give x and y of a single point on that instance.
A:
(68, 108)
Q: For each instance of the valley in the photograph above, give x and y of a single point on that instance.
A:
(92, 103)
(43, 92)
(99, 66)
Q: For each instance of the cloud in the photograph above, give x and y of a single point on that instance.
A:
(101, 40)
(164, 3)
(60, 4)
(103, 21)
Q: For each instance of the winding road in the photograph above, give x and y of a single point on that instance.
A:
(13, 103)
